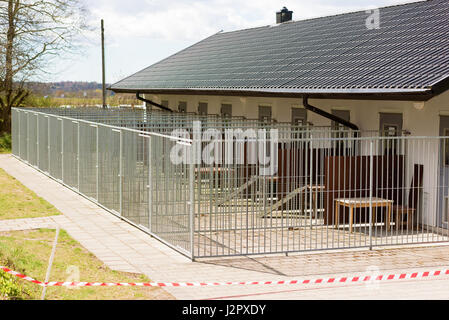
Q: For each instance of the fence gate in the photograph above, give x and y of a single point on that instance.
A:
(170, 193)
(109, 168)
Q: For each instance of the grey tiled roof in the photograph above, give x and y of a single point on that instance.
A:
(410, 52)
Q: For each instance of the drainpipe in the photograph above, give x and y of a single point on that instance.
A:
(152, 103)
(328, 115)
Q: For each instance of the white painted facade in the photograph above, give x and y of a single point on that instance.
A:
(419, 118)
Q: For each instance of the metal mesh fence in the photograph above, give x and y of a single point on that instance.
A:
(122, 169)
(70, 153)
(32, 139)
(55, 147)
(170, 194)
(15, 132)
(88, 159)
(43, 146)
(234, 186)
(109, 168)
(23, 135)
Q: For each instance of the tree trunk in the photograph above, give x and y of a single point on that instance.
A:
(6, 124)
(8, 85)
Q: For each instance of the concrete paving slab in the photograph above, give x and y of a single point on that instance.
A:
(123, 247)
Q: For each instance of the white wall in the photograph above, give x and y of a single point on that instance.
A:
(364, 113)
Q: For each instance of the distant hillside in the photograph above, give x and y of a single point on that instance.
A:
(74, 93)
(57, 89)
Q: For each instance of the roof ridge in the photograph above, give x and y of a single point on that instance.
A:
(329, 16)
(316, 57)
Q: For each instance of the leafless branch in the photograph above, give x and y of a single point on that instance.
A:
(31, 33)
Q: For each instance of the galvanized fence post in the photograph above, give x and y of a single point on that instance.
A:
(192, 199)
(50, 262)
(150, 184)
(98, 169)
(19, 132)
(311, 208)
(78, 158)
(121, 172)
(62, 150)
(37, 141)
(28, 137)
(371, 178)
(48, 144)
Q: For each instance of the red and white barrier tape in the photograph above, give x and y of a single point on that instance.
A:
(352, 279)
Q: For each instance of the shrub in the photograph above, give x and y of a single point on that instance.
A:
(5, 142)
(9, 289)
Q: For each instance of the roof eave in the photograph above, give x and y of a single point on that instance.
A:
(353, 94)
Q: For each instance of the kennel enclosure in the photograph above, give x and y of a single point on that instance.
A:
(331, 189)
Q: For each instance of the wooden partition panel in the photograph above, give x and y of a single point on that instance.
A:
(348, 177)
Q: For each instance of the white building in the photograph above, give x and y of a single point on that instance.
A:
(393, 79)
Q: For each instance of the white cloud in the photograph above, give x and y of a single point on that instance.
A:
(157, 28)
(194, 19)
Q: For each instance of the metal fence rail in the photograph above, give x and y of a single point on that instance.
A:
(326, 194)
(207, 193)
(124, 170)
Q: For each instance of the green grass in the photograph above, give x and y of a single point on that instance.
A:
(28, 252)
(5, 143)
(18, 202)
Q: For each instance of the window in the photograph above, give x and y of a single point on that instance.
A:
(390, 126)
(265, 118)
(164, 103)
(299, 121)
(299, 117)
(226, 110)
(340, 131)
(444, 132)
(202, 108)
(265, 114)
(390, 145)
(182, 107)
(390, 130)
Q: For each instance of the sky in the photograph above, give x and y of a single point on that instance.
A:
(139, 33)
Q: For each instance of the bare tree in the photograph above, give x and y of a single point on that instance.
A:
(31, 33)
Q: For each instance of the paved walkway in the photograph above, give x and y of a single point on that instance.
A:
(125, 248)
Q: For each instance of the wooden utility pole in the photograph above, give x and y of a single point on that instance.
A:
(103, 64)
